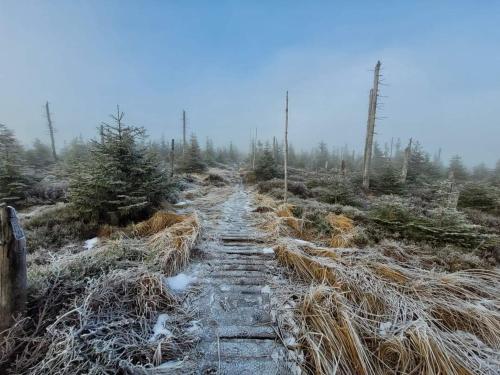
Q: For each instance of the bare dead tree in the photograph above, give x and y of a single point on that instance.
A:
(51, 131)
(172, 153)
(254, 150)
(286, 150)
(406, 159)
(370, 129)
(183, 132)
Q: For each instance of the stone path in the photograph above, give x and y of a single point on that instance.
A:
(238, 330)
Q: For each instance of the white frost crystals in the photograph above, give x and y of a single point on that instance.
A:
(268, 250)
(180, 282)
(159, 329)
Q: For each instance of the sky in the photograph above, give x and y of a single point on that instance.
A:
(229, 64)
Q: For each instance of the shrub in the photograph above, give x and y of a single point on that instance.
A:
(479, 196)
(57, 227)
(296, 188)
(334, 190)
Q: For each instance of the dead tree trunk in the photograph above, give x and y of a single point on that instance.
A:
(406, 159)
(183, 132)
(285, 197)
(370, 129)
(51, 131)
(343, 168)
(275, 154)
(254, 150)
(13, 279)
(172, 155)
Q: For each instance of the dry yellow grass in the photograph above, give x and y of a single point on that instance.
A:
(172, 246)
(156, 223)
(343, 230)
(368, 317)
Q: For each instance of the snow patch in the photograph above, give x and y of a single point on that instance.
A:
(159, 329)
(225, 288)
(290, 341)
(268, 250)
(302, 242)
(90, 244)
(181, 204)
(384, 328)
(194, 326)
(173, 364)
(265, 289)
(179, 282)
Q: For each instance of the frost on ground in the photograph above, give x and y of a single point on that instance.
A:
(180, 282)
(268, 250)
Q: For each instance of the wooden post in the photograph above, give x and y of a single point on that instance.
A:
(51, 131)
(183, 132)
(286, 150)
(13, 278)
(406, 159)
(172, 155)
(370, 129)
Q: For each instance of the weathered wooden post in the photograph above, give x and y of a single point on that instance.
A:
(172, 155)
(286, 150)
(13, 278)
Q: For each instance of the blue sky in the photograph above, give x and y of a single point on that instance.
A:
(228, 63)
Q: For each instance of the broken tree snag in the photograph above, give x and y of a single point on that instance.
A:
(13, 279)
(51, 131)
(172, 155)
(286, 150)
(406, 159)
(184, 145)
(370, 128)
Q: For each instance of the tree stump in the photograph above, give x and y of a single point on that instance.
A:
(13, 277)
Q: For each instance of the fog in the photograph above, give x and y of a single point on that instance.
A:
(229, 65)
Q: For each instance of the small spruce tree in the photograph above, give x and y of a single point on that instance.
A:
(458, 169)
(13, 179)
(192, 161)
(121, 181)
(265, 167)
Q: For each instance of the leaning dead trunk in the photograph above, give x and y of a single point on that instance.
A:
(13, 279)
(286, 150)
(370, 128)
